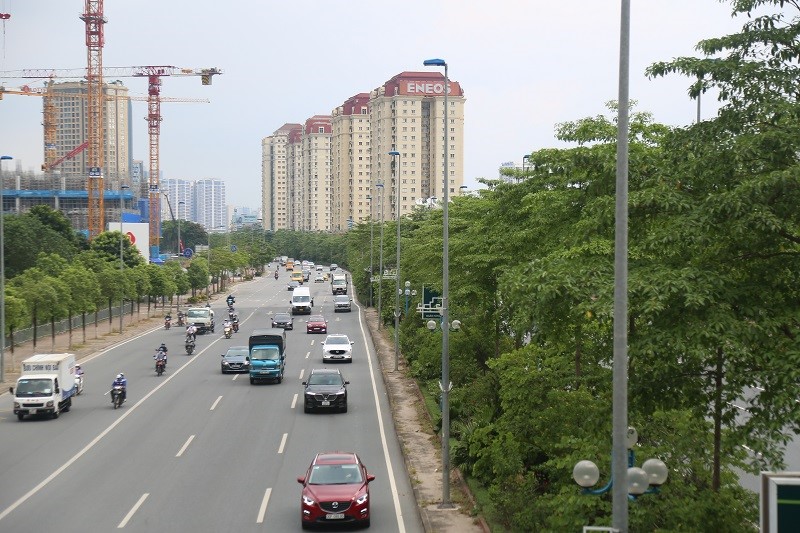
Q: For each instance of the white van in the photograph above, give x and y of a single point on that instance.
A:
(301, 301)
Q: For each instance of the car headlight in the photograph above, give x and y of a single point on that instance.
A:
(49, 404)
(340, 393)
(307, 501)
(16, 405)
(224, 363)
(361, 500)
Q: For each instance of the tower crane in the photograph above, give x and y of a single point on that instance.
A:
(49, 123)
(95, 182)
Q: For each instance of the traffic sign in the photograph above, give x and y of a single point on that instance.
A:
(233, 248)
(187, 252)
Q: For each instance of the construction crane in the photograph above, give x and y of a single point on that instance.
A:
(94, 19)
(49, 123)
(154, 75)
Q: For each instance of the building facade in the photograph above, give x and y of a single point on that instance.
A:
(210, 209)
(338, 171)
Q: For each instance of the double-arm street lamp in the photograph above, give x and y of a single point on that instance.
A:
(409, 292)
(371, 268)
(445, 385)
(395, 176)
(2, 273)
(380, 260)
(122, 189)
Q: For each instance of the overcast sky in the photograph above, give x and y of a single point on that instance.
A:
(524, 65)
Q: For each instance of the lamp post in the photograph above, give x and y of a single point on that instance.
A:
(408, 292)
(122, 189)
(2, 272)
(445, 385)
(644, 480)
(210, 276)
(395, 177)
(180, 246)
(371, 268)
(380, 261)
(525, 159)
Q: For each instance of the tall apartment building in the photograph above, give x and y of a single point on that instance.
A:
(209, 204)
(72, 129)
(350, 162)
(333, 164)
(181, 197)
(407, 116)
(274, 176)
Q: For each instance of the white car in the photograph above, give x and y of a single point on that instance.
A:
(337, 348)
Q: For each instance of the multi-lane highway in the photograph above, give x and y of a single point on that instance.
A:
(195, 449)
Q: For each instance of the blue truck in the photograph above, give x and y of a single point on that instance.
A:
(267, 355)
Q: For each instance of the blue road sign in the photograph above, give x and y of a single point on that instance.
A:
(233, 248)
(187, 252)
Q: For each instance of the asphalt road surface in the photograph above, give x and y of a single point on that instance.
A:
(198, 450)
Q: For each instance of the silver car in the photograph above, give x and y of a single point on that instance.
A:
(342, 302)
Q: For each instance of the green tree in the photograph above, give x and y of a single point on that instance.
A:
(197, 275)
(84, 292)
(107, 245)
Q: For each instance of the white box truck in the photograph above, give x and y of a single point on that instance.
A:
(45, 386)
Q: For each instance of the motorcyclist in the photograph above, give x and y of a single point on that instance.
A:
(181, 318)
(227, 324)
(276, 273)
(121, 381)
(167, 319)
(231, 300)
(160, 356)
(235, 323)
(161, 349)
(78, 370)
(191, 332)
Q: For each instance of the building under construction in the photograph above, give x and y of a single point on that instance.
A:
(63, 183)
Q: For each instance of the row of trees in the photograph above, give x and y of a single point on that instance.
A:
(54, 273)
(714, 271)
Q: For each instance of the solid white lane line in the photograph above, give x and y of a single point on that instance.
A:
(283, 442)
(186, 444)
(102, 434)
(302, 372)
(308, 354)
(263, 509)
(401, 526)
(294, 401)
(216, 402)
(133, 510)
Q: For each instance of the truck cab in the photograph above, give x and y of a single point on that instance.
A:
(46, 385)
(202, 318)
(267, 355)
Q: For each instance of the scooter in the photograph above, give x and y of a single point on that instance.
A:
(181, 319)
(116, 396)
(78, 384)
(160, 366)
(167, 323)
(189, 346)
(228, 331)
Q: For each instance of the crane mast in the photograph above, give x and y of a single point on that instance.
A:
(94, 20)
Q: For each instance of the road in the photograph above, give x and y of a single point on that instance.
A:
(196, 450)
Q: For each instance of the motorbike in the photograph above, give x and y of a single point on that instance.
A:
(160, 366)
(167, 323)
(276, 274)
(78, 384)
(235, 327)
(189, 346)
(227, 331)
(116, 396)
(181, 319)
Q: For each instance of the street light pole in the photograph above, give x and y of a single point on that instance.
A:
(371, 268)
(2, 273)
(396, 178)
(619, 425)
(380, 262)
(445, 385)
(121, 253)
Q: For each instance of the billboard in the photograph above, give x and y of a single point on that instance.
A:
(138, 233)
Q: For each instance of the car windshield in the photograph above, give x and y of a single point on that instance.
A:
(343, 299)
(197, 313)
(236, 353)
(337, 340)
(301, 299)
(282, 317)
(316, 318)
(265, 354)
(335, 475)
(34, 387)
(324, 379)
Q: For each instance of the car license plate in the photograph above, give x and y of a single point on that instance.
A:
(334, 516)
(325, 403)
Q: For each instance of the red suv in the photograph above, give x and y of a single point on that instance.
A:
(335, 491)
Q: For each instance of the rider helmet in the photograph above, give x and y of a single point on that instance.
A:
(120, 375)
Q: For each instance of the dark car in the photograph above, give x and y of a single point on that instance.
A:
(235, 360)
(325, 389)
(316, 324)
(335, 491)
(334, 266)
(306, 274)
(342, 302)
(292, 285)
(283, 320)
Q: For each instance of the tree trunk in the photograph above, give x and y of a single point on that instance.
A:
(83, 325)
(715, 476)
(110, 313)
(69, 318)
(52, 333)
(34, 328)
